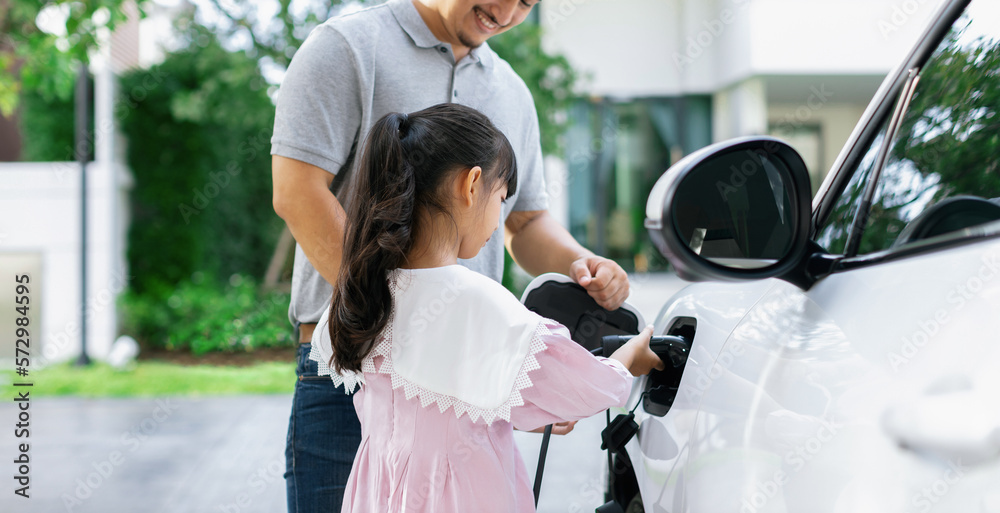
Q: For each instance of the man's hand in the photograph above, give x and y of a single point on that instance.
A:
(604, 280)
(539, 244)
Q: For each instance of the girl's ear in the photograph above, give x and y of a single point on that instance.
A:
(469, 184)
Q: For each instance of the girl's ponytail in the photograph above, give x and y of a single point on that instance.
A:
(405, 160)
(376, 241)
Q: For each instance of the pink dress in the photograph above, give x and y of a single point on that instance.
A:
(420, 452)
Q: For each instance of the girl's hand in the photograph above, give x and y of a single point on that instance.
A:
(559, 428)
(636, 355)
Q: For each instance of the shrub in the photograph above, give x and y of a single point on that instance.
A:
(47, 129)
(201, 316)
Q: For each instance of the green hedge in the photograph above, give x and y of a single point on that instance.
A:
(47, 126)
(199, 128)
(202, 316)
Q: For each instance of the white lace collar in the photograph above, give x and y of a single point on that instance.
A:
(456, 340)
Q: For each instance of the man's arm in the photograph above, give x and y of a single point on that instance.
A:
(316, 219)
(316, 121)
(539, 244)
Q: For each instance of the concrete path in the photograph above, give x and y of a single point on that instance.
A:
(226, 454)
(153, 455)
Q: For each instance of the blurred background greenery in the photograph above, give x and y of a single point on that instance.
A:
(202, 232)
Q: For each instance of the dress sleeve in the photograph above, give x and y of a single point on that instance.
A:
(570, 383)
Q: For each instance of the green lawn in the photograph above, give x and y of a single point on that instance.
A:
(153, 378)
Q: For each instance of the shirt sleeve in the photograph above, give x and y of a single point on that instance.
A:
(532, 194)
(318, 106)
(570, 383)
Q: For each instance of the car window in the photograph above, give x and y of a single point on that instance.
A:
(943, 169)
(833, 236)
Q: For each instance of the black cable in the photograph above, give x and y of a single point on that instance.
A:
(639, 401)
(611, 468)
(541, 461)
(611, 462)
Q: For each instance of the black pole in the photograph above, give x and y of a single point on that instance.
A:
(83, 146)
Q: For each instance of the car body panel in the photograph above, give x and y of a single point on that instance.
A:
(789, 415)
(660, 447)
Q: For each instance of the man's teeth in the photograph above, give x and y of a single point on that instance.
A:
(490, 25)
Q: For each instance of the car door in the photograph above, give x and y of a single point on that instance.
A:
(876, 389)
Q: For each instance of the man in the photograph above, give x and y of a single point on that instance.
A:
(401, 56)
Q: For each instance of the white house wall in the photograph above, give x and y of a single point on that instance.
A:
(621, 46)
(740, 110)
(41, 202)
(834, 38)
(632, 48)
(836, 122)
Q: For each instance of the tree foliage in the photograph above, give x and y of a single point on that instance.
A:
(952, 132)
(276, 39)
(550, 78)
(42, 63)
(47, 128)
(199, 128)
(948, 144)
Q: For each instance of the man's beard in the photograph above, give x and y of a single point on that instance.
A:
(464, 39)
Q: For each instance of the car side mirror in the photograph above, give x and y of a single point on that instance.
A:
(736, 210)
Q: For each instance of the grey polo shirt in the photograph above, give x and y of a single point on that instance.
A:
(354, 69)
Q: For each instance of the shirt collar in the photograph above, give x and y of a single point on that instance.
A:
(409, 19)
(483, 55)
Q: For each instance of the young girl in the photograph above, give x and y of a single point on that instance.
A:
(448, 362)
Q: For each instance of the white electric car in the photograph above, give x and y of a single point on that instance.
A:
(844, 349)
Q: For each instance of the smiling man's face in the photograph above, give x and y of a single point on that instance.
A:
(472, 22)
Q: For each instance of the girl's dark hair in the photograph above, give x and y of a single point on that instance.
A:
(405, 160)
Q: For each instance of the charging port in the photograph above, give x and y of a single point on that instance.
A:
(662, 385)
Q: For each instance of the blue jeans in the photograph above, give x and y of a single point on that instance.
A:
(323, 438)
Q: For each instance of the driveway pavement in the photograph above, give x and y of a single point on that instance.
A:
(225, 454)
(153, 455)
